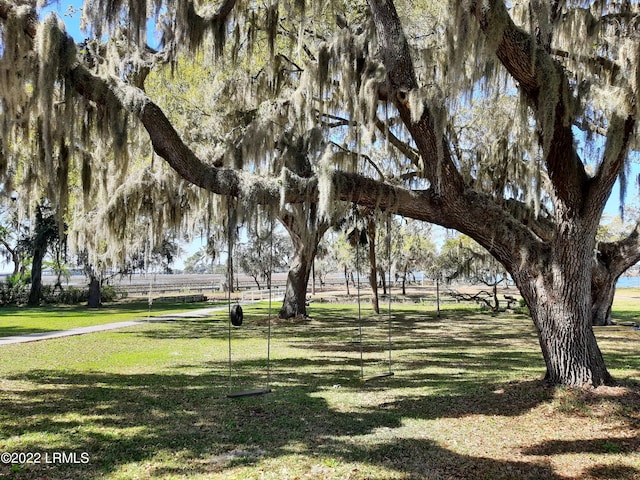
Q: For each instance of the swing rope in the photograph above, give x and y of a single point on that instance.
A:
(389, 372)
(270, 299)
(237, 315)
(229, 280)
(389, 291)
(359, 306)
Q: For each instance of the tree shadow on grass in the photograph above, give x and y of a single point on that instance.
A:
(619, 472)
(613, 446)
(180, 423)
(512, 399)
(187, 420)
(12, 331)
(608, 445)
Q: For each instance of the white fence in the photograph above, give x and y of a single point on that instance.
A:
(263, 294)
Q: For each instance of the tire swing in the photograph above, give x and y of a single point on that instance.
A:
(358, 237)
(236, 315)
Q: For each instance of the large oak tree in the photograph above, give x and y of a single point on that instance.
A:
(399, 76)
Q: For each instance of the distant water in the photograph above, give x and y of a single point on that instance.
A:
(628, 282)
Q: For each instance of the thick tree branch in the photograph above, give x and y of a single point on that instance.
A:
(402, 80)
(619, 256)
(544, 82)
(468, 211)
(168, 145)
(619, 138)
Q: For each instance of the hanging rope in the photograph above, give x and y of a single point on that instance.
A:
(362, 239)
(358, 296)
(229, 279)
(389, 291)
(236, 315)
(270, 299)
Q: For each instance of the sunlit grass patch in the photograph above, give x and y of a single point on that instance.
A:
(466, 400)
(24, 320)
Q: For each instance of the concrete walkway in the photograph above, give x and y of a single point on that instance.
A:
(35, 337)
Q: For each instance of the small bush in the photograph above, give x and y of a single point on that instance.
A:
(74, 296)
(14, 291)
(522, 307)
(69, 296)
(109, 293)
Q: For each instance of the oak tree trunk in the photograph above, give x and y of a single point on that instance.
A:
(559, 299)
(295, 296)
(306, 231)
(568, 344)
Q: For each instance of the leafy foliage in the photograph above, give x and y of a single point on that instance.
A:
(267, 251)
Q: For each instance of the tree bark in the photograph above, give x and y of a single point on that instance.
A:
(95, 293)
(558, 296)
(295, 296)
(306, 231)
(569, 348)
(612, 260)
(35, 292)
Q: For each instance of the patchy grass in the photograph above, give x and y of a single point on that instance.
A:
(465, 401)
(24, 320)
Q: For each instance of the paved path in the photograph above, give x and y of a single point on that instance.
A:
(34, 337)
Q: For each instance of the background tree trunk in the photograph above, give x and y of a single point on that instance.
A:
(95, 293)
(603, 289)
(35, 292)
(295, 296)
(306, 231)
(383, 280)
(346, 279)
(15, 257)
(612, 260)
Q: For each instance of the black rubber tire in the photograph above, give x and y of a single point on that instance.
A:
(236, 315)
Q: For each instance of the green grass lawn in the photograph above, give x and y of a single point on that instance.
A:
(24, 320)
(466, 401)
